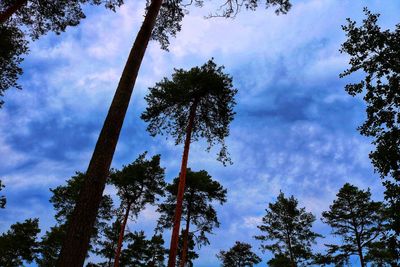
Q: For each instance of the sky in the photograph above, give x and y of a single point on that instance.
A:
(294, 130)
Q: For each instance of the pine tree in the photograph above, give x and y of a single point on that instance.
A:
(197, 209)
(375, 53)
(240, 255)
(138, 184)
(357, 220)
(162, 20)
(19, 243)
(288, 232)
(194, 104)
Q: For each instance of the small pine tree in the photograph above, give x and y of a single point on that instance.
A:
(288, 232)
(240, 255)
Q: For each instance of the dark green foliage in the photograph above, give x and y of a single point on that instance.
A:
(64, 199)
(208, 88)
(12, 47)
(65, 196)
(201, 191)
(355, 218)
(49, 246)
(3, 199)
(288, 231)
(240, 255)
(35, 18)
(280, 260)
(19, 243)
(141, 252)
(191, 253)
(107, 246)
(375, 53)
(139, 183)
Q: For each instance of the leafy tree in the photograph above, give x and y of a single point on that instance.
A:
(357, 220)
(375, 53)
(138, 184)
(163, 19)
(280, 260)
(19, 243)
(64, 199)
(3, 199)
(197, 210)
(194, 104)
(24, 20)
(191, 254)
(240, 255)
(141, 252)
(288, 228)
(107, 246)
(49, 246)
(12, 47)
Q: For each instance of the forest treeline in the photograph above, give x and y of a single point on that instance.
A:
(360, 226)
(199, 104)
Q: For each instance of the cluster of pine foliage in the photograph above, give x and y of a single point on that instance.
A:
(199, 104)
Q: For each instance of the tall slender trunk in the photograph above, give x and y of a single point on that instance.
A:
(121, 236)
(11, 10)
(181, 189)
(75, 246)
(185, 238)
(293, 262)
(359, 248)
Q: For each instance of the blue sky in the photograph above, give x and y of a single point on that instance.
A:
(294, 131)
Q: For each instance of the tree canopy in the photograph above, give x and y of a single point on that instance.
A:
(375, 52)
(240, 255)
(288, 231)
(19, 243)
(170, 101)
(357, 220)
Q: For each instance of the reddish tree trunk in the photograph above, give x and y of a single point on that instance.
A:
(80, 226)
(181, 189)
(11, 10)
(121, 236)
(185, 239)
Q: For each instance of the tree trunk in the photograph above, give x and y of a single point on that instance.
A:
(75, 246)
(360, 253)
(291, 252)
(11, 10)
(121, 236)
(185, 238)
(181, 189)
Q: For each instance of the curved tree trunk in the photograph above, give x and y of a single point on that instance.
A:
(181, 189)
(11, 10)
(80, 226)
(185, 239)
(121, 236)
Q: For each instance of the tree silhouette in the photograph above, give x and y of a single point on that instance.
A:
(197, 210)
(357, 220)
(194, 104)
(3, 199)
(64, 199)
(138, 184)
(240, 255)
(107, 245)
(375, 53)
(22, 21)
(289, 230)
(19, 243)
(141, 252)
(163, 19)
